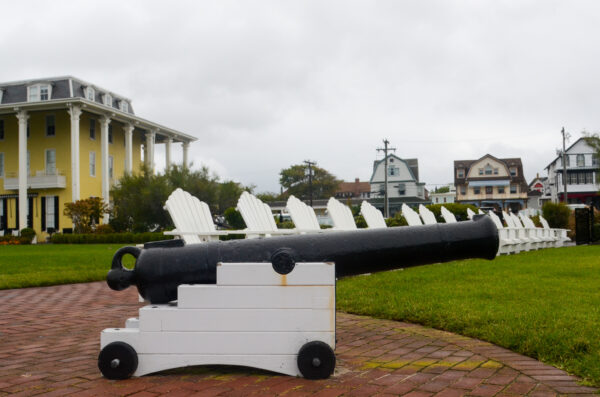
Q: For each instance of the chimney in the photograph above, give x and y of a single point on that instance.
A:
(356, 180)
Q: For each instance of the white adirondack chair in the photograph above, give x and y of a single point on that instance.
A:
(447, 215)
(470, 214)
(412, 218)
(560, 235)
(303, 216)
(536, 242)
(372, 215)
(192, 218)
(544, 236)
(520, 235)
(508, 242)
(427, 216)
(341, 215)
(258, 217)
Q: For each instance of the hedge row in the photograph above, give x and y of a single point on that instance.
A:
(121, 238)
(14, 240)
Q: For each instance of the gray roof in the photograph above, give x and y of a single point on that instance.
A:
(16, 92)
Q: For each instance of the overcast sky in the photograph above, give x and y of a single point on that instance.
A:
(267, 84)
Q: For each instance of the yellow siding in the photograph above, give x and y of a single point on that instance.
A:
(37, 144)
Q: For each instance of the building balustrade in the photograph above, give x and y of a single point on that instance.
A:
(40, 180)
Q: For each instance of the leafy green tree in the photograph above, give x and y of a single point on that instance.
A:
(268, 196)
(296, 182)
(443, 189)
(139, 199)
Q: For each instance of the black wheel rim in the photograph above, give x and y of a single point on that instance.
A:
(117, 360)
(316, 360)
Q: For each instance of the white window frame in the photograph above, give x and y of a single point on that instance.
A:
(460, 173)
(111, 164)
(582, 162)
(47, 171)
(50, 211)
(92, 163)
(36, 96)
(108, 100)
(92, 122)
(1, 164)
(90, 94)
(124, 106)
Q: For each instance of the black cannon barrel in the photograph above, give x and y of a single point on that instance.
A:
(161, 267)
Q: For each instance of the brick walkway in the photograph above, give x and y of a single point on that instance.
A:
(49, 342)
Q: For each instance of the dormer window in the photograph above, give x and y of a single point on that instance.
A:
(90, 94)
(1, 92)
(488, 169)
(513, 171)
(124, 106)
(39, 92)
(107, 100)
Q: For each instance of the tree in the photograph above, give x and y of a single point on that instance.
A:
(139, 199)
(296, 182)
(443, 189)
(86, 213)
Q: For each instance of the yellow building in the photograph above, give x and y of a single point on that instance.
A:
(63, 139)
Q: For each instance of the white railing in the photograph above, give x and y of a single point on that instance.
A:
(41, 180)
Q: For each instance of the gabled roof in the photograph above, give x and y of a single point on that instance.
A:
(508, 162)
(410, 164)
(567, 150)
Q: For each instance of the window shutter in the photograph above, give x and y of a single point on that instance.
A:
(56, 215)
(5, 216)
(44, 214)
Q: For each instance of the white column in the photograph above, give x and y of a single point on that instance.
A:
(150, 137)
(168, 152)
(128, 148)
(23, 204)
(75, 112)
(185, 147)
(104, 122)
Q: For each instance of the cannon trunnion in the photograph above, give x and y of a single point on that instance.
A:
(264, 303)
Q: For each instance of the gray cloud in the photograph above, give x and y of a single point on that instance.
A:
(267, 84)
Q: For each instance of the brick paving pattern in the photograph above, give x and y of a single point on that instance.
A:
(49, 343)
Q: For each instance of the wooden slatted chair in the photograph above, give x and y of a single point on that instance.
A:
(412, 218)
(427, 216)
(544, 236)
(447, 215)
(191, 217)
(470, 214)
(341, 215)
(560, 235)
(258, 217)
(508, 241)
(536, 243)
(303, 216)
(372, 215)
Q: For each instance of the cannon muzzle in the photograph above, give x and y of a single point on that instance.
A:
(162, 266)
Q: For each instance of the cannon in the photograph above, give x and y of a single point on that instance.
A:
(265, 303)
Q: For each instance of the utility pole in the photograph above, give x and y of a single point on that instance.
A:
(565, 136)
(310, 189)
(385, 149)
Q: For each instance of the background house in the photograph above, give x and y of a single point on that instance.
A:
(582, 167)
(356, 189)
(63, 139)
(403, 183)
(491, 182)
(443, 197)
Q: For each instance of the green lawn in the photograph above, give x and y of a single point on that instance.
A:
(544, 304)
(47, 264)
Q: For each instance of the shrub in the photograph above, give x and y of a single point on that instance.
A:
(234, 219)
(360, 222)
(536, 221)
(104, 229)
(28, 233)
(459, 210)
(14, 240)
(108, 238)
(397, 220)
(557, 215)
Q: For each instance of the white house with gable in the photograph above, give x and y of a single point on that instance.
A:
(583, 167)
(403, 183)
